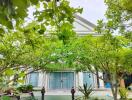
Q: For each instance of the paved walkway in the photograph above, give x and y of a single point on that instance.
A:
(96, 93)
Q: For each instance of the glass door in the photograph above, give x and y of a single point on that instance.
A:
(68, 80)
(61, 80)
(33, 80)
(55, 80)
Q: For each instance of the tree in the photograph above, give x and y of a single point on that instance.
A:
(28, 47)
(126, 5)
(119, 16)
(63, 15)
(112, 58)
(118, 22)
(17, 55)
(14, 10)
(106, 53)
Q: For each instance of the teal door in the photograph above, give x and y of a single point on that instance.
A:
(68, 80)
(88, 78)
(55, 80)
(61, 80)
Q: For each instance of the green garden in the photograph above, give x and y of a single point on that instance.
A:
(49, 43)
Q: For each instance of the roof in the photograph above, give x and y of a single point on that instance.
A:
(85, 21)
(83, 27)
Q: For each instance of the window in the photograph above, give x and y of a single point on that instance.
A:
(33, 79)
(88, 78)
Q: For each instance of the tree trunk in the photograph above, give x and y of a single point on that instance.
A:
(115, 98)
(114, 90)
(114, 85)
(98, 84)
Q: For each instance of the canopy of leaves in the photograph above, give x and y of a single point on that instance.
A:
(119, 16)
(106, 53)
(14, 9)
(29, 47)
(59, 16)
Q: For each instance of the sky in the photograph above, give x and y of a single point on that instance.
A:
(93, 10)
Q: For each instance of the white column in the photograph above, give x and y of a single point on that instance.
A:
(101, 81)
(80, 78)
(94, 81)
(40, 79)
(46, 81)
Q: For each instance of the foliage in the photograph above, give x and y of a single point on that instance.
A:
(5, 98)
(6, 93)
(126, 4)
(116, 49)
(106, 53)
(44, 12)
(25, 88)
(123, 93)
(119, 16)
(86, 90)
(100, 50)
(63, 15)
(14, 10)
(29, 47)
(18, 52)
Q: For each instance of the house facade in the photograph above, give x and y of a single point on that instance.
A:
(66, 79)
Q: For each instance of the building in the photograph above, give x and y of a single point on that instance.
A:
(66, 79)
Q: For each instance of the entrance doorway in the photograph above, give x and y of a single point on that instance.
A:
(61, 80)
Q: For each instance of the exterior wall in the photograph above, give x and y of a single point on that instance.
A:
(43, 80)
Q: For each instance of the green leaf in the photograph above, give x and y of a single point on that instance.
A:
(34, 2)
(5, 98)
(9, 72)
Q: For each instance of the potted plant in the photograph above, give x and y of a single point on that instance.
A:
(29, 88)
(25, 88)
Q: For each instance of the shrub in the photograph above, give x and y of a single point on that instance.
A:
(86, 90)
(25, 88)
(5, 98)
(123, 93)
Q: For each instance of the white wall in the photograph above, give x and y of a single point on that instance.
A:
(80, 77)
(101, 81)
(41, 79)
